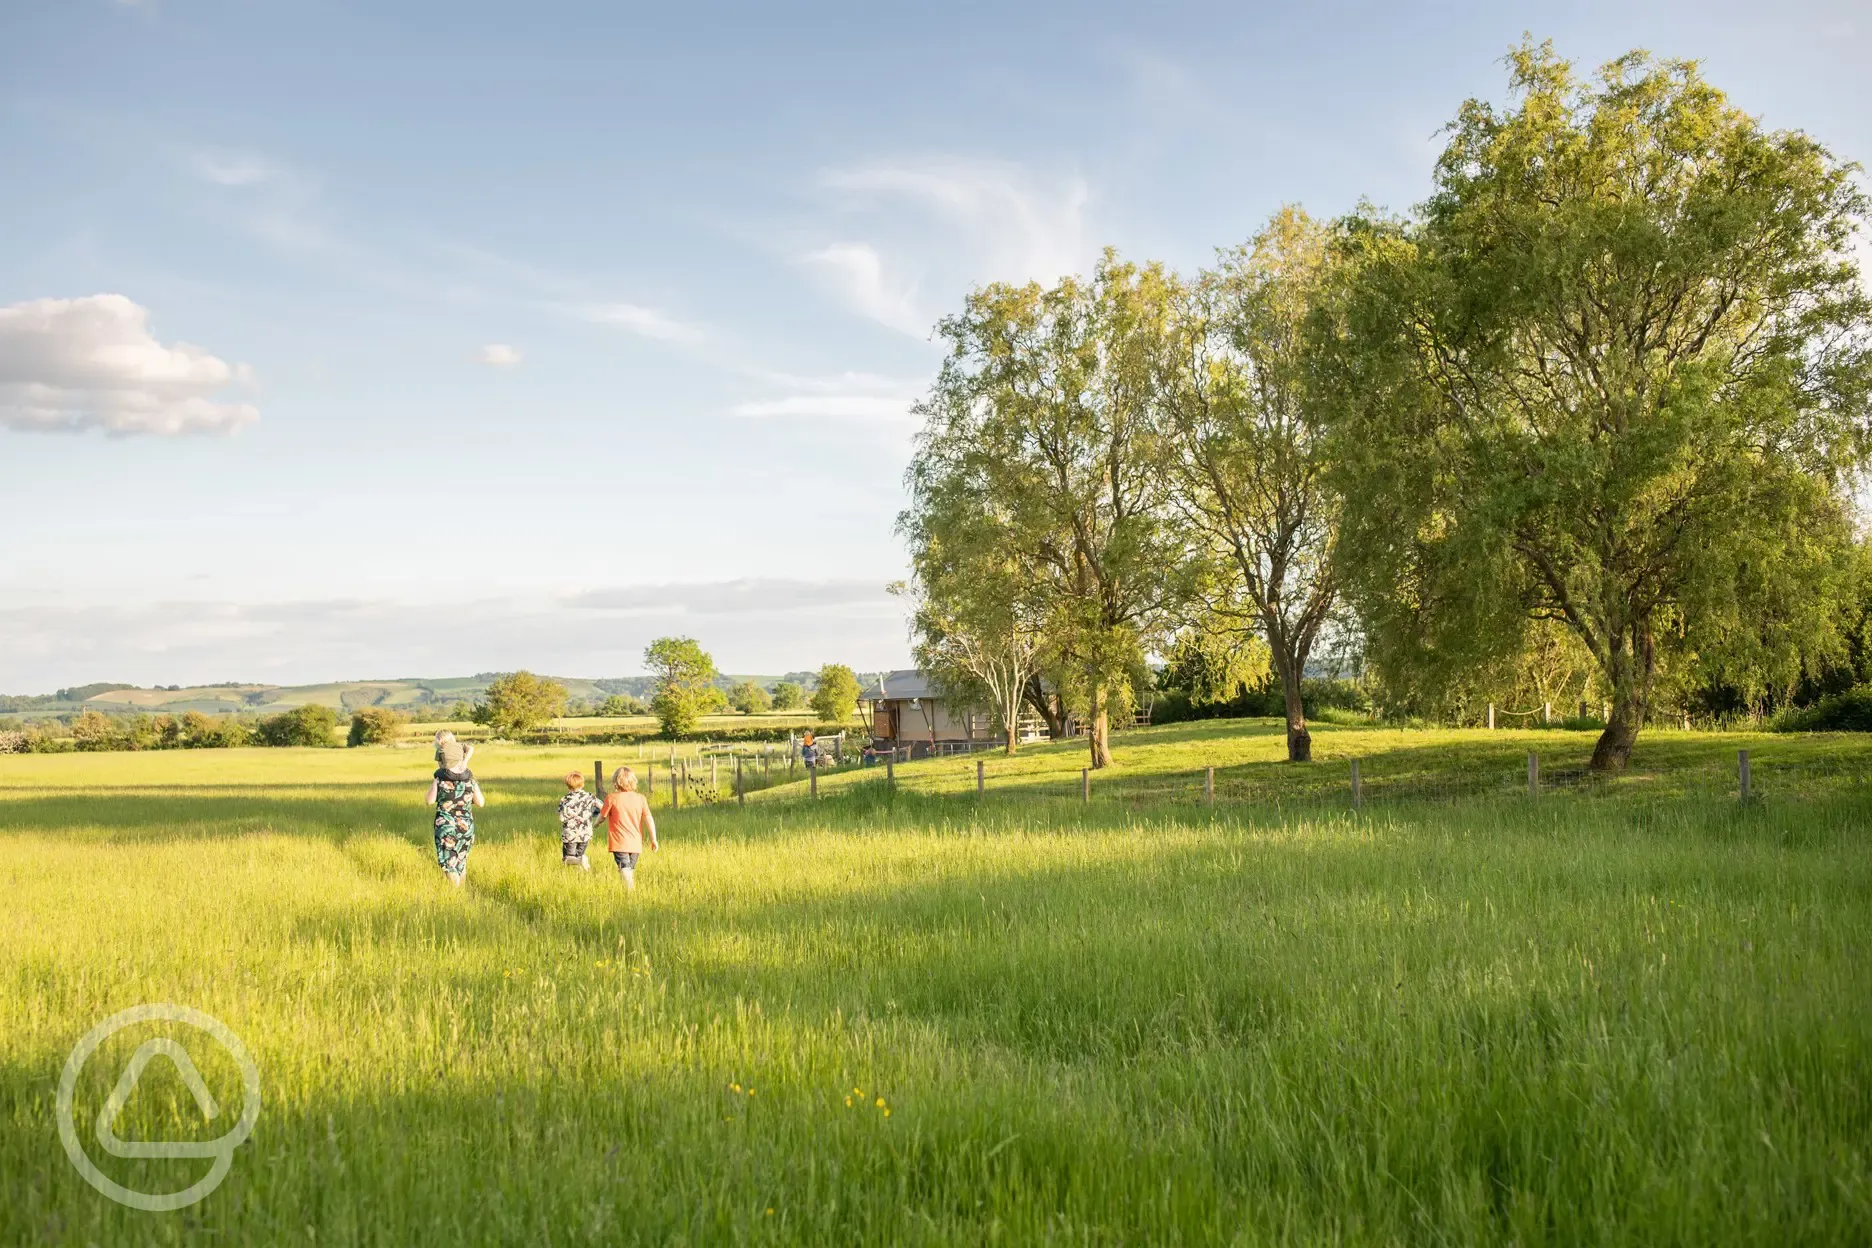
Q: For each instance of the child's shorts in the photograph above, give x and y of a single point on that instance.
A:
(574, 851)
(624, 861)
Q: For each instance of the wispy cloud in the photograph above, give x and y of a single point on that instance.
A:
(846, 396)
(643, 321)
(856, 272)
(760, 595)
(942, 225)
(499, 355)
(233, 168)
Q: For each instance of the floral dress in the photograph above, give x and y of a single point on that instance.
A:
(454, 824)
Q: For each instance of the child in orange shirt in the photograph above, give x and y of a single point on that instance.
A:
(627, 816)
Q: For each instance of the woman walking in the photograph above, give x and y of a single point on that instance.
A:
(455, 795)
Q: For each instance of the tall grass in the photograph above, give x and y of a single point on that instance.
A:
(1634, 1021)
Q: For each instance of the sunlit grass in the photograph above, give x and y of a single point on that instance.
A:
(1566, 1021)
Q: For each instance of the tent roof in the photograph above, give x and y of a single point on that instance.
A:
(904, 683)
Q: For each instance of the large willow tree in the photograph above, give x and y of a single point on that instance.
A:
(1615, 375)
(1246, 450)
(1042, 418)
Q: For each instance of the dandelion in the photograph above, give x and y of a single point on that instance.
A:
(848, 1102)
(770, 1211)
(734, 1087)
(750, 1091)
(880, 1102)
(887, 1113)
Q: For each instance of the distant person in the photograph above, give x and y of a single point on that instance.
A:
(577, 810)
(451, 755)
(808, 752)
(455, 795)
(628, 819)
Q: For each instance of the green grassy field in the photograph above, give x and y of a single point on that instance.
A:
(1459, 1016)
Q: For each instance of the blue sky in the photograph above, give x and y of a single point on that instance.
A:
(374, 339)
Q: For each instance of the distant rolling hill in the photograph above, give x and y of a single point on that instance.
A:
(412, 695)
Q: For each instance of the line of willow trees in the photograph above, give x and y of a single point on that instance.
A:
(1606, 388)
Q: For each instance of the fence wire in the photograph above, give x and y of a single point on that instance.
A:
(1406, 776)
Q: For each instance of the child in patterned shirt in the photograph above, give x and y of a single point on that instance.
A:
(577, 809)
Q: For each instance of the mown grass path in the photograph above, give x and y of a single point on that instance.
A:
(1635, 1020)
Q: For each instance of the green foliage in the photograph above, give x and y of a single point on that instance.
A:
(1850, 711)
(1214, 666)
(94, 730)
(836, 698)
(685, 683)
(516, 702)
(203, 732)
(1615, 375)
(788, 696)
(750, 699)
(1042, 419)
(376, 725)
(619, 705)
(311, 724)
(1248, 453)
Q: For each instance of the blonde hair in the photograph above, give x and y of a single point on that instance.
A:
(443, 734)
(624, 778)
(575, 779)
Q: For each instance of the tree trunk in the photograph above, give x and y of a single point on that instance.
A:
(1299, 740)
(1036, 696)
(1012, 738)
(1098, 734)
(1614, 748)
(1631, 670)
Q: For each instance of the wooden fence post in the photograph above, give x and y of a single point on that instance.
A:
(675, 798)
(812, 779)
(1357, 797)
(740, 789)
(890, 773)
(1742, 762)
(598, 776)
(1491, 715)
(1085, 785)
(1533, 774)
(1209, 786)
(981, 779)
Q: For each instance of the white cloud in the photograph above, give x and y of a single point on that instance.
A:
(847, 396)
(91, 363)
(969, 222)
(1022, 228)
(856, 272)
(640, 320)
(500, 355)
(233, 168)
(757, 595)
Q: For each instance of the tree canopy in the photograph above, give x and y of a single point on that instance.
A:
(1042, 419)
(836, 696)
(1614, 375)
(685, 678)
(1246, 448)
(516, 702)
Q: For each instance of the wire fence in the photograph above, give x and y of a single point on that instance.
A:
(1408, 776)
